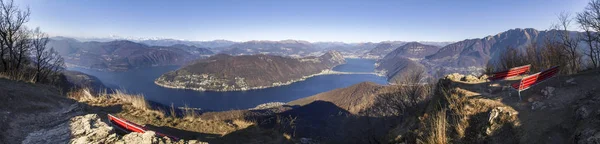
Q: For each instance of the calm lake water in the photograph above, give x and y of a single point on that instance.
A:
(141, 81)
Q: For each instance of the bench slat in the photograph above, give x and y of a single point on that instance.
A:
(534, 79)
(510, 73)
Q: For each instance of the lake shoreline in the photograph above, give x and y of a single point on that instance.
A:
(276, 84)
(141, 81)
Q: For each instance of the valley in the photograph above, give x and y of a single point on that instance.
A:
(141, 81)
(299, 72)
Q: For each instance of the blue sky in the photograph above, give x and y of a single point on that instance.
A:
(312, 20)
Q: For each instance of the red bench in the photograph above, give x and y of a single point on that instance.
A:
(529, 81)
(128, 126)
(509, 73)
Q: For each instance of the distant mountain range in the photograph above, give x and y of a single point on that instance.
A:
(382, 49)
(207, 44)
(122, 55)
(293, 48)
(394, 57)
(224, 72)
(467, 56)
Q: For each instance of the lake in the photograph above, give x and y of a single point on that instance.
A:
(141, 81)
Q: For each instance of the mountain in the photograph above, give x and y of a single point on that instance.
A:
(193, 49)
(153, 41)
(123, 55)
(412, 50)
(477, 52)
(404, 60)
(467, 56)
(78, 79)
(170, 42)
(293, 48)
(223, 72)
(348, 50)
(396, 68)
(433, 43)
(382, 49)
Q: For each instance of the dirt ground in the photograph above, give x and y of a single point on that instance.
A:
(545, 116)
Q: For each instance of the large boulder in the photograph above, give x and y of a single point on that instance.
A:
(500, 116)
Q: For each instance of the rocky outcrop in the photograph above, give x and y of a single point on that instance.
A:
(500, 116)
(234, 73)
(587, 114)
(470, 78)
(91, 129)
(454, 77)
(80, 129)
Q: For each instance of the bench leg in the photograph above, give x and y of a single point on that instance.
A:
(520, 99)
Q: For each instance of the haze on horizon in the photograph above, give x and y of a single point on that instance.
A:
(311, 20)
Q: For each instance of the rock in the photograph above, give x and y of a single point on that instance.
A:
(589, 135)
(548, 92)
(454, 77)
(483, 77)
(494, 114)
(498, 117)
(149, 137)
(80, 129)
(470, 78)
(91, 129)
(582, 113)
(537, 105)
(571, 81)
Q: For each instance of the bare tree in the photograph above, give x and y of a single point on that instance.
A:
(510, 58)
(569, 43)
(45, 61)
(14, 36)
(589, 22)
(405, 97)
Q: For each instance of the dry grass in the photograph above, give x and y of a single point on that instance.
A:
(104, 98)
(457, 102)
(137, 100)
(243, 123)
(442, 117)
(457, 116)
(189, 113)
(136, 109)
(18, 76)
(437, 125)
